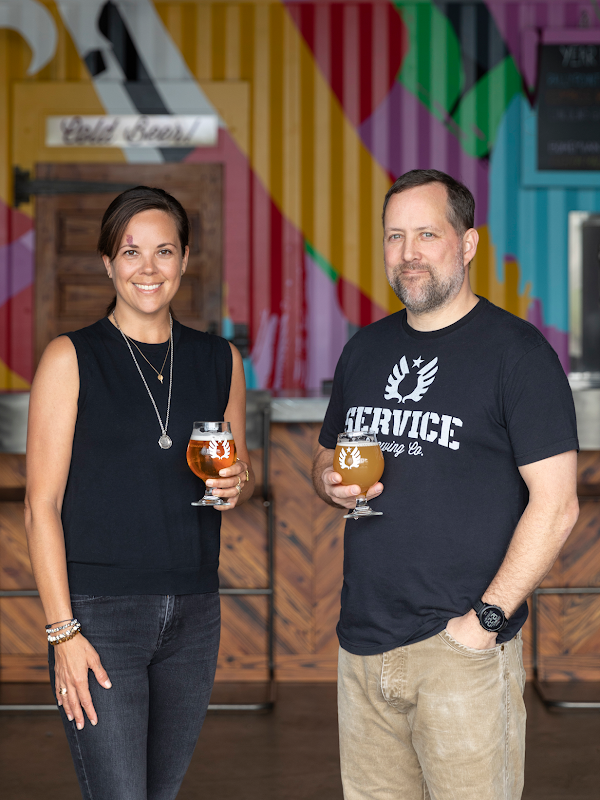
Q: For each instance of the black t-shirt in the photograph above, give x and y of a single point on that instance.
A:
(456, 411)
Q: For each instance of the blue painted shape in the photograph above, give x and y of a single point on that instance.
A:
(249, 374)
(530, 220)
(556, 306)
(227, 329)
(504, 188)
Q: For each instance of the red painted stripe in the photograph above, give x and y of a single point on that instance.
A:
(304, 17)
(378, 49)
(365, 15)
(357, 307)
(276, 261)
(13, 224)
(336, 12)
(16, 333)
(398, 43)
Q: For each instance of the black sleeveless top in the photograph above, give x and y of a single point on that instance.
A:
(129, 526)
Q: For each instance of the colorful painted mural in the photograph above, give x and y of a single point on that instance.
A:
(321, 106)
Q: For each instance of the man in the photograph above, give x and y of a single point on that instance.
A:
(476, 421)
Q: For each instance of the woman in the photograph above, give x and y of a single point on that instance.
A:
(126, 567)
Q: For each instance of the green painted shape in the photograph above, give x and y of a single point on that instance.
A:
(432, 69)
(320, 261)
(482, 108)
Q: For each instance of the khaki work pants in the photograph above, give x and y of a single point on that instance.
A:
(434, 720)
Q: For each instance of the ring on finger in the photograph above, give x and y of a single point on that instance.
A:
(62, 690)
(239, 487)
(247, 471)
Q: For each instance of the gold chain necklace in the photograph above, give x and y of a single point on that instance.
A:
(159, 374)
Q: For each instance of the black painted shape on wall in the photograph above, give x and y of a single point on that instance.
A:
(94, 61)
(138, 83)
(481, 44)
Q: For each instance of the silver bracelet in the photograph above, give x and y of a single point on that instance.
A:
(50, 629)
(73, 629)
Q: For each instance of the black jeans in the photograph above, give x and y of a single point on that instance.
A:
(160, 653)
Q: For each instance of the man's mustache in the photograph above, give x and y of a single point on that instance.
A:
(412, 267)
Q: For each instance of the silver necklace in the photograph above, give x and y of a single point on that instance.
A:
(165, 441)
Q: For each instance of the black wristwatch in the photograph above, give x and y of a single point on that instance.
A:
(491, 618)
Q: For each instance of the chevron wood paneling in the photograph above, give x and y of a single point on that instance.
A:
(22, 623)
(15, 569)
(569, 625)
(308, 579)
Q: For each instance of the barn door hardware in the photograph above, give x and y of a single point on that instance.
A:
(25, 186)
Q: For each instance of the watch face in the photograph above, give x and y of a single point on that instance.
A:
(492, 618)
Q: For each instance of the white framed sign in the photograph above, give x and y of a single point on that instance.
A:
(135, 130)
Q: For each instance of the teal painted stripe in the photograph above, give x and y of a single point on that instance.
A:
(556, 305)
(320, 261)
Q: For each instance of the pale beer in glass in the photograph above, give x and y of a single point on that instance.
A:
(359, 460)
(211, 448)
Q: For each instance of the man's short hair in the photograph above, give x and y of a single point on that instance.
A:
(461, 204)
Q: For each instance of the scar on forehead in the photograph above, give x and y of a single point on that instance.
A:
(129, 238)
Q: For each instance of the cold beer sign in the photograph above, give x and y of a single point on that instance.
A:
(139, 130)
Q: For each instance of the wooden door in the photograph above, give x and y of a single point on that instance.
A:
(72, 289)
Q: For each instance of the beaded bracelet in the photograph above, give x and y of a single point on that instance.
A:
(72, 631)
(69, 622)
(66, 638)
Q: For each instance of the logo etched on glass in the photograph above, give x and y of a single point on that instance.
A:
(352, 454)
(213, 448)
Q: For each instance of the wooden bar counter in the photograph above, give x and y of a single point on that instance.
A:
(308, 573)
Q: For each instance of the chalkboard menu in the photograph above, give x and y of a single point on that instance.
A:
(569, 107)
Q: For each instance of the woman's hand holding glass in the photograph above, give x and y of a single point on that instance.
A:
(229, 485)
(211, 455)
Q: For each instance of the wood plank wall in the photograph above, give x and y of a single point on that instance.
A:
(308, 576)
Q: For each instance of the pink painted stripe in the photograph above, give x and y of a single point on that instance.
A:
(16, 266)
(415, 139)
(236, 203)
(326, 326)
(557, 338)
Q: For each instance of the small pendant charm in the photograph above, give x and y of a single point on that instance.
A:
(165, 441)
(160, 378)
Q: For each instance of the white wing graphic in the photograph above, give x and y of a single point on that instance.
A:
(346, 453)
(213, 448)
(426, 375)
(395, 379)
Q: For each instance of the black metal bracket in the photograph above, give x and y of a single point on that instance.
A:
(25, 186)
(534, 623)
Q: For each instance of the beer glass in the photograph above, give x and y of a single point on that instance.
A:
(211, 449)
(359, 460)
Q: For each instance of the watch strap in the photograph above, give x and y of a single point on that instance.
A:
(478, 606)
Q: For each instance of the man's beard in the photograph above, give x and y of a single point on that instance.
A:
(427, 295)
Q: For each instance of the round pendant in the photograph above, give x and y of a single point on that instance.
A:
(165, 441)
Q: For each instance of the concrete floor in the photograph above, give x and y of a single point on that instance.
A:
(289, 754)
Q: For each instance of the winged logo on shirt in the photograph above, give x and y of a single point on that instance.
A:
(425, 377)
